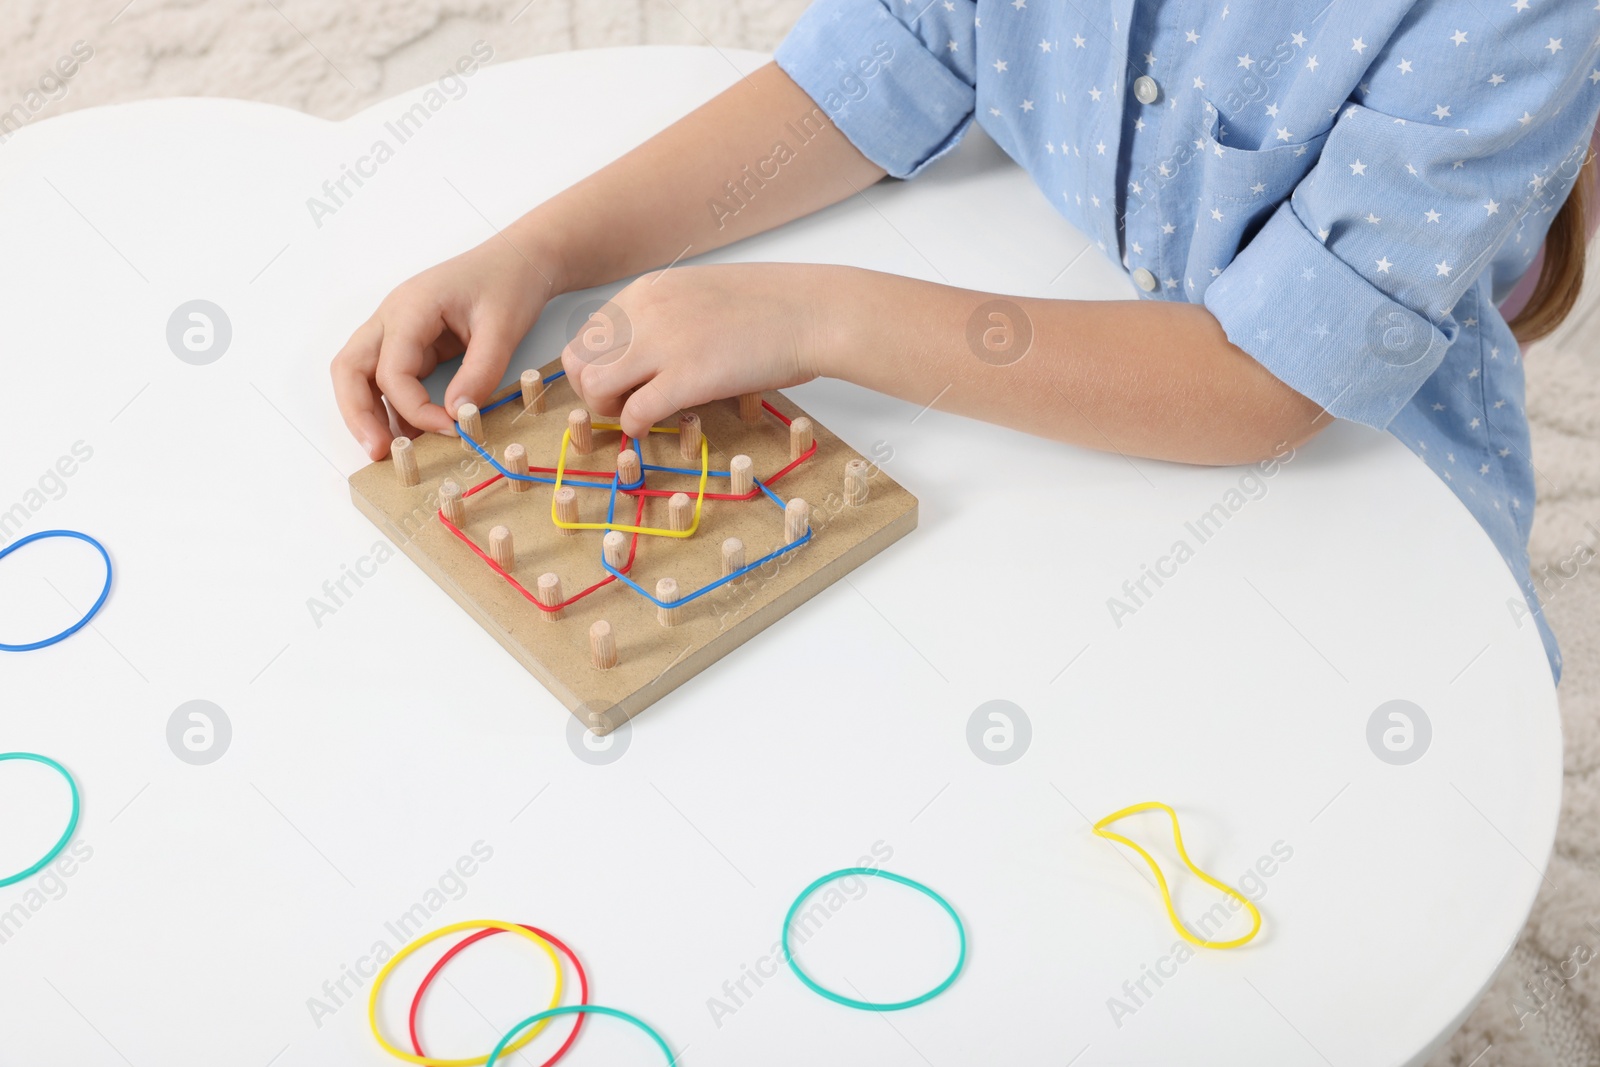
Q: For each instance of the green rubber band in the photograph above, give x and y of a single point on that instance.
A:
(72, 821)
(578, 1009)
(867, 1005)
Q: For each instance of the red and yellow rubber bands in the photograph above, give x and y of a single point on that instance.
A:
(1099, 829)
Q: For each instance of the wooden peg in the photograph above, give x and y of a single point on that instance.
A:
(582, 433)
(615, 547)
(628, 466)
(679, 511)
(602, 646)
(451, 503)
(405, 461)
(796, 520)
(855, 482)
(689, 437)
(667, 589)
(740, 476)
(549, 592)
(471, 420)
(516, 462)
(750, 408)
(532, 392)
(567, 507)
(732, 555)
(799, 437)
(501, 548)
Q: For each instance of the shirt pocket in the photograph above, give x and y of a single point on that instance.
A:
(1238, 189)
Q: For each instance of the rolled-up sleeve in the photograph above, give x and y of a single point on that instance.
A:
(1347, 292)
(900, 88)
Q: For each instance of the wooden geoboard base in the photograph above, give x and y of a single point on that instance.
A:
(653, 659)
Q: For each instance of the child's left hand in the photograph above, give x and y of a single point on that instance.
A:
(686, 336)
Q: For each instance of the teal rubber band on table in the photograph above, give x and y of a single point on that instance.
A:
(72, 821)
(578, 1009)
(867, 1005)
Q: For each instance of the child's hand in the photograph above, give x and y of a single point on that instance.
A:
(481, 302)
(690, 335)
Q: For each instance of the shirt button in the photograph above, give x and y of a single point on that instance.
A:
(1145, 89)
(1144, 280)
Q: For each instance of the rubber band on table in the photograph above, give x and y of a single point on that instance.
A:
(72, 819)
(531, 598)
(427, 980)
(1099, 829)
(868, 1005)
(580, 1009)
(407, 949)
(94, 609)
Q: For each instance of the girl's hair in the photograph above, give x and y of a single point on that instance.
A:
(1561, 276)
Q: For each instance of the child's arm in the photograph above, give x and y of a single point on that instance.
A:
(1148, 378)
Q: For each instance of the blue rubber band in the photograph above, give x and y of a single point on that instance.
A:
(579, 1009)
(93, 610)
(867, 1005)
(72, 821)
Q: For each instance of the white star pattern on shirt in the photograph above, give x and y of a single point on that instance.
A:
(1432, 216)
(1554, 46)
(1078, 40)
(1246, 62)
(1167, 227)
(1441, 112)
(1497, 79)
(1299, 39)
(1443, 268)
(1405, 66)
(1311, 64)
(1357, 45)
(1044, 46)
(1283, 133)
(1358, 167)
(1095, 94)
(1384, 265)
(1000, 66)
(1216, 214)
(1492, 207)
(1459, 37)
(1191, 37)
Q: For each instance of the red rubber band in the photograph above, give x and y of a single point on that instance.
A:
(583, 986)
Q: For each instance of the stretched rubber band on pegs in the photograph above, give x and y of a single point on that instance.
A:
(443, 931)
(867, 1005)
(656, 531)
(577, 1009)
(94, 608)
(1100, 830)
(72, 819)
(427, 980)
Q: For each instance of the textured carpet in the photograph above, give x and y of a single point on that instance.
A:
(331, 59)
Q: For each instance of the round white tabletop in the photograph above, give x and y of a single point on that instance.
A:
(387, 768)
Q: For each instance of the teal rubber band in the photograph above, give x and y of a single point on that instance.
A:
(578, 1009)
(72, 822)
(867, 1005)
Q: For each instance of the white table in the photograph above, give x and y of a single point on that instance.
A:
(371, 751)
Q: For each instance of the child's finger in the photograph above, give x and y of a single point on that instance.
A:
(648, 405)
(360, 403)
(482, 366)
(399, 361)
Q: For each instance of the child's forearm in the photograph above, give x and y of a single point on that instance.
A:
(1142, 378)
(711, 178)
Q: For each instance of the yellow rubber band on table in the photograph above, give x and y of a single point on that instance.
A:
(1166, 894)
(443, 931)
(700, 496)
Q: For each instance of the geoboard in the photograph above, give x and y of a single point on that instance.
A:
(616, 570)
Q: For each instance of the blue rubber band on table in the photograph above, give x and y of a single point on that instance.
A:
(93, 610)
(867, 1005)
(579, 1009)
(72, 820)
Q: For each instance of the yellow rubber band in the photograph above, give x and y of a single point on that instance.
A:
(700, 496)
(443, 931)
(1166, 894)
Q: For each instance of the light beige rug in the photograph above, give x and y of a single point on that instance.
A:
(332, 59)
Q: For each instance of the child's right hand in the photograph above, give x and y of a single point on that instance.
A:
(480, 303)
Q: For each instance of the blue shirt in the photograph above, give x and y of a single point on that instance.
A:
(1350, 188)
